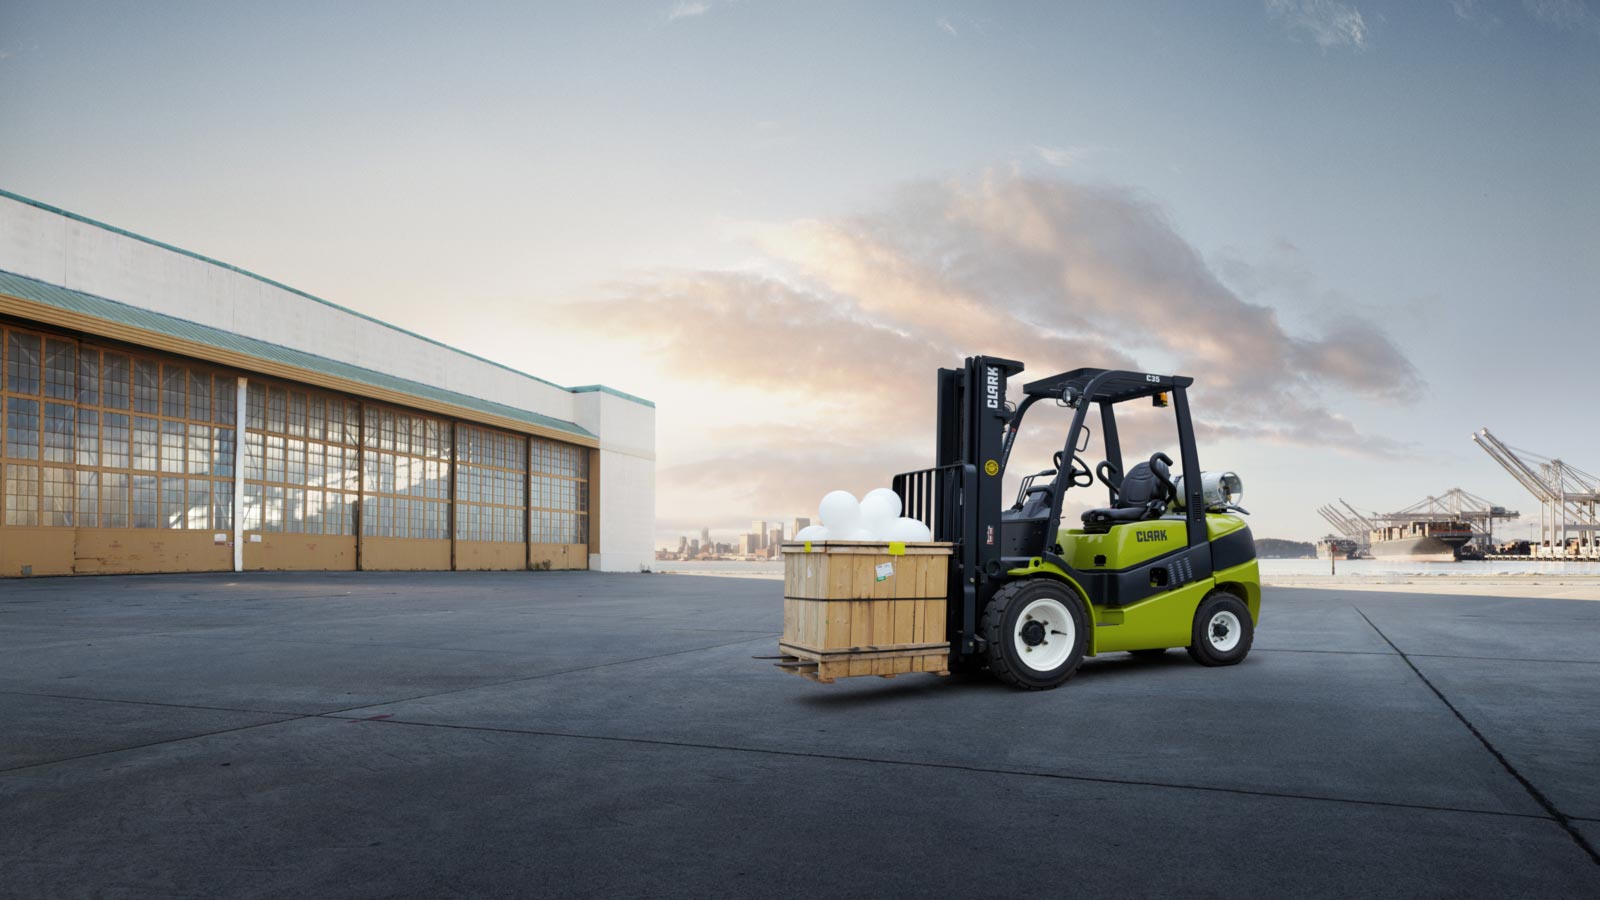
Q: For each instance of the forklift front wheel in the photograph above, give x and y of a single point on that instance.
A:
(1036, 631)
(1222, 630)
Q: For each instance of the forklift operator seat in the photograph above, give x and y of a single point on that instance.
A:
(1144, 494)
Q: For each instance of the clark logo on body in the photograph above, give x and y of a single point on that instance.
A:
(1148, 536)
(992, 387)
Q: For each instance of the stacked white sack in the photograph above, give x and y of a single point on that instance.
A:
(876, 517)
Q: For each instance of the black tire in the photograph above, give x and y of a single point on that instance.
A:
(1003, 631)
(1151, 653)
(1221, 612)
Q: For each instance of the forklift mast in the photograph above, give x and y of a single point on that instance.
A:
(961, 496)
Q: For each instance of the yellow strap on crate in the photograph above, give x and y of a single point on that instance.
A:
(897, 548)
(808, 546)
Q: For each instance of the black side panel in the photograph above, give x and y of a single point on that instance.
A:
(1234, 548)
(1164, 573)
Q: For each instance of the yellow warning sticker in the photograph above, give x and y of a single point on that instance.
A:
(991, 468)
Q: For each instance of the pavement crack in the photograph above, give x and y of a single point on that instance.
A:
(961, 767)
(1581, 662)
(264, 712)
(1538, 796)
(172, 740)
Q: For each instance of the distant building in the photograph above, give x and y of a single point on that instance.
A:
(775, 538)
(705, 537)
(749, 544)
(760, 531)
(800, 523)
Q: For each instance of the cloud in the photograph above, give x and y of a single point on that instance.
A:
(1475, 12)
(688, 9)
(1328, 23)
(1568, 15)
(1061, 156)
(944, 25)
(833, 332)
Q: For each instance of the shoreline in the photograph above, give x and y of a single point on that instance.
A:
(1529, 585)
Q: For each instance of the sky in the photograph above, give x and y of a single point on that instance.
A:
(1365, 228)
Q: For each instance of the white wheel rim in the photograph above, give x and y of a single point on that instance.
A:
(1223, 631)
(1052, 640)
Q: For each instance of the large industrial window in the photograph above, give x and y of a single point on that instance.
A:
(100, 438)
(560, 499)
(490, 485)
(300, 460)
(407, 476)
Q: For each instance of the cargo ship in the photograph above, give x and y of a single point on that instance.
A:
(1332, 547)
(1426, 541)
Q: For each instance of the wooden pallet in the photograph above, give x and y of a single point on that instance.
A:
(884, 662)
(864, 608)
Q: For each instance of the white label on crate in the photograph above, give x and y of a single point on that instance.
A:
(885, 570)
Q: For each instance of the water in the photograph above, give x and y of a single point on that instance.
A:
(1270, 568)
(1389, 568)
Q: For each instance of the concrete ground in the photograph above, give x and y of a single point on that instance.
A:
(579, 735)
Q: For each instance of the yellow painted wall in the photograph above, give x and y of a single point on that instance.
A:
(404, 555)
(280, 552)
(561, 556)
(490, 555)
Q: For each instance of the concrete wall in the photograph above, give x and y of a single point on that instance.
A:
(627, 501)
(61, 250)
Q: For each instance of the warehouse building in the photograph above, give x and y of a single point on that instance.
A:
(165, 412)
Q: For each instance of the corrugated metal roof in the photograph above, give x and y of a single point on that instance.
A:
(70, 300)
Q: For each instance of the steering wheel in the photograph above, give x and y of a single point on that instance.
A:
(1079, 474)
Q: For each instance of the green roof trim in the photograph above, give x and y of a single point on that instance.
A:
(297, 292)
(590, 388)
(172, 326)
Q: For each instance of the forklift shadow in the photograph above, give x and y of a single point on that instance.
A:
(906, 689)
(902, 689)
(1114, 664)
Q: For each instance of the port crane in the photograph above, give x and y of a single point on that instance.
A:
(1351, 525)
(1460, 506)
(1568, 498)
(1455, 505)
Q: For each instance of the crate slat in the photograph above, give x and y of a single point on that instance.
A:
(840, 620)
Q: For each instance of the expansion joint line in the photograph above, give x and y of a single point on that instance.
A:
(1559, 817)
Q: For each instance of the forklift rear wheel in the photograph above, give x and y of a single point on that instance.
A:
(1222, 630)
(1036, 632)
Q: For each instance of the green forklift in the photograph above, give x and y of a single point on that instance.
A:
(1166, 563)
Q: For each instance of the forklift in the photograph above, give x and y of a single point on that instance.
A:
(1165, 563)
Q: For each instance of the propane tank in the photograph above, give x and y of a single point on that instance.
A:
(1220, 489)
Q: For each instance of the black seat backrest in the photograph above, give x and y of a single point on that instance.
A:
(1142, 484)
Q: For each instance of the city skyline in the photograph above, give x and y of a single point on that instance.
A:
(775, 533)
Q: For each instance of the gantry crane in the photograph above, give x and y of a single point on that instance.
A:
(1568, 498)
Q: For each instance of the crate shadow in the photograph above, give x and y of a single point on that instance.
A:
(861, 691)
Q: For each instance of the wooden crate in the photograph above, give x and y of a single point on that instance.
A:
(864, 608)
